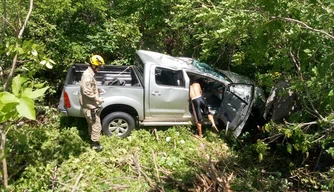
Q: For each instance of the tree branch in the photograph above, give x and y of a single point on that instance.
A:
(54, 179)
(4, 161)
(155, 165)
(74, 188)
(303, 25)
(298, 65)
(19, 36)
(7, 22)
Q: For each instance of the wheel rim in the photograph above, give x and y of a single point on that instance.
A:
(118, 126)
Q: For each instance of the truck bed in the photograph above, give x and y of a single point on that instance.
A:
(108, 75)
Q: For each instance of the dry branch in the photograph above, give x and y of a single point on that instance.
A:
(150, 182)
(155, 165)
(156, 134)
(136, 163)
(54, 178)
(74, 188)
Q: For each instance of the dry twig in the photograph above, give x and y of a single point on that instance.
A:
(155, 165)
(136, 163)
(54, 178)
(156, 134)
(74, 188)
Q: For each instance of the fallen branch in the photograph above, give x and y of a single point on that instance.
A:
(136, 163)
(156, 134)
(155, 165)
(150, 183)
(74, 188)
(54, 179)
(64, 184)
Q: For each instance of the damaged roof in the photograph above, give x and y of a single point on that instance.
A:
(177, 63)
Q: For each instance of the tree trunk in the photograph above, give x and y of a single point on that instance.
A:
(4, 161)
(6, 85)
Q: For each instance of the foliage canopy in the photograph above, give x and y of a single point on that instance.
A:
(257, 38)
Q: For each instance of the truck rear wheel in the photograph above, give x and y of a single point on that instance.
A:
(118, 123)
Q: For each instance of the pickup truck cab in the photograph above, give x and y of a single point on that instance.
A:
(155, 92)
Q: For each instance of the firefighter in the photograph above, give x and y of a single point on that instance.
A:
(90, 100)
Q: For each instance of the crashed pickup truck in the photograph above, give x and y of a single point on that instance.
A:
(154, 91)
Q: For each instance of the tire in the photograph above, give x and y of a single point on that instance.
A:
(118, 123)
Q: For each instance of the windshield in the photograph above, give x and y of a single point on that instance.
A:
(208, 69)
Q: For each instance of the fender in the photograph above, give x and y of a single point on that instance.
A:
(122, 100)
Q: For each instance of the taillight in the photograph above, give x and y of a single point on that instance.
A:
(67, 103)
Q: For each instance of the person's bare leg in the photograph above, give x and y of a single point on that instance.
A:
(212, 122)
(199, 128)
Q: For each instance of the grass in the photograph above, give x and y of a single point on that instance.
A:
(57, 157)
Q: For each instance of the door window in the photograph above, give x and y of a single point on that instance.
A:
(167, 77)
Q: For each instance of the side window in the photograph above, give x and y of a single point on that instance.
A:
(169, 77)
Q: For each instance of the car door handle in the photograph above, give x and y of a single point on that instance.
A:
(156, 93)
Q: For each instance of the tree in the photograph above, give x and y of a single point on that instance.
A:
(20, 103)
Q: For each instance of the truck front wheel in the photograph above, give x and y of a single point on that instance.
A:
(118, 123)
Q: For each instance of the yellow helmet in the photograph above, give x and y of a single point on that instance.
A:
(96, 60)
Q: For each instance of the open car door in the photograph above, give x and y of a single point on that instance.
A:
(236, 106)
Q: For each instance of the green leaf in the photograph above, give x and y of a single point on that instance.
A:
(6, 108)
(17, 83)
(34, 94)
(331, 93)
(331, 151)
(315, 71)
(289, 148)
(43, 62)
(308, 52)
(39, 85)
(26, 108)
(48, 65)
(288, 133)
(8, 113)
(34, 52)
(6, 97)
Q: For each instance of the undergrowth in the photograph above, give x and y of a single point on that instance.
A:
(53, 154)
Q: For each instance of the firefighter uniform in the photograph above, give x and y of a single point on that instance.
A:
(88, 101)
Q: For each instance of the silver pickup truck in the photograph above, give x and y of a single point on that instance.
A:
(155, 92)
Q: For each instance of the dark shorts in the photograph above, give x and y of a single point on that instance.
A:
(200, 108)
